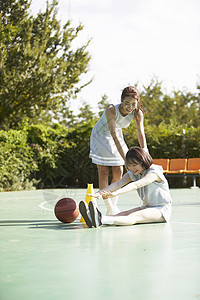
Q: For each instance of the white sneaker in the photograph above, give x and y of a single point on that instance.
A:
(95, 214)
(83, 208)
(113, 211)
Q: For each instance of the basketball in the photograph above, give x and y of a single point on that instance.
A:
(66, 210)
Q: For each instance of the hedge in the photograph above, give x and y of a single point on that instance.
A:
(168, 141)
(48, 157)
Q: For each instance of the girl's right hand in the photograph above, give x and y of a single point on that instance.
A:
(96, 195)
(107, 194)
(103, 194)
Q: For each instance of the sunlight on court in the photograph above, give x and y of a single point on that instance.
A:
(42, 258)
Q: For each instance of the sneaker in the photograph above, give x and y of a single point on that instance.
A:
(95, 214)
(83, 208)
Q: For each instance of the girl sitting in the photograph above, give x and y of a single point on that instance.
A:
(151, 185)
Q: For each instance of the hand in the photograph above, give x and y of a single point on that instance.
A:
(96, 195)
(107, 194)
(103, 194)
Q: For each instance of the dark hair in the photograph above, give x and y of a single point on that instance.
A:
(136, 155)
(130, 91)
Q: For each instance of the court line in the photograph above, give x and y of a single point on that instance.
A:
(41, 205)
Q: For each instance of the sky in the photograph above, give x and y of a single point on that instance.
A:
(135, 41)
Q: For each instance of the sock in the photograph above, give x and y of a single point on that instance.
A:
(115, 200)
(108, 203)
(112, 208)
(107, 220)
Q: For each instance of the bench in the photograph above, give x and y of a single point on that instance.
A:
(175, 167)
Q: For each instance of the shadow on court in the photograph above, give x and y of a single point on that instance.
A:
(56, 226)
(42, 224)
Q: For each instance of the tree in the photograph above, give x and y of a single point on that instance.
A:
(103, 104)
(39, 70)
(186, 108)
(151, 99)
(182, 107)
(86, 113)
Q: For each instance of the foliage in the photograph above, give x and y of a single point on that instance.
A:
(42, 157)
(182, 107)
(167, 141)
(16, 161)
(39, 73)
(86, 113)
(103, 104)
(82, 171)
(39, 156)
(48, 145)
(39, 70)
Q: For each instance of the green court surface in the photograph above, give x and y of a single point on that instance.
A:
(43, 259)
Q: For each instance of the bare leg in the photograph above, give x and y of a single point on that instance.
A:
(135, 216)
(103, 172)
(128, 212)
(117, 172)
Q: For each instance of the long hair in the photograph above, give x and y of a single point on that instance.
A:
(136, 155)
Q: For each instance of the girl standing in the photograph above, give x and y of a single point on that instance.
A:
(107, 145)
(151, 185)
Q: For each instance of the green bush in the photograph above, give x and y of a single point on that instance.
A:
(168, 141)
(47, 157)
(16, 161)
(51, 150)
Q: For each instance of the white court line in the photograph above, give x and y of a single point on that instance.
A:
(43, 207)
(187, 223)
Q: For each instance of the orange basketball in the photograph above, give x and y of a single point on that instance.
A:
(66, 210)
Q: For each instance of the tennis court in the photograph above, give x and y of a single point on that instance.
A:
(42, 258)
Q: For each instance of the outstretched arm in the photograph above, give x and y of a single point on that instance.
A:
(140, 129)
(110, 115)
(113, 187)
(149, 178)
